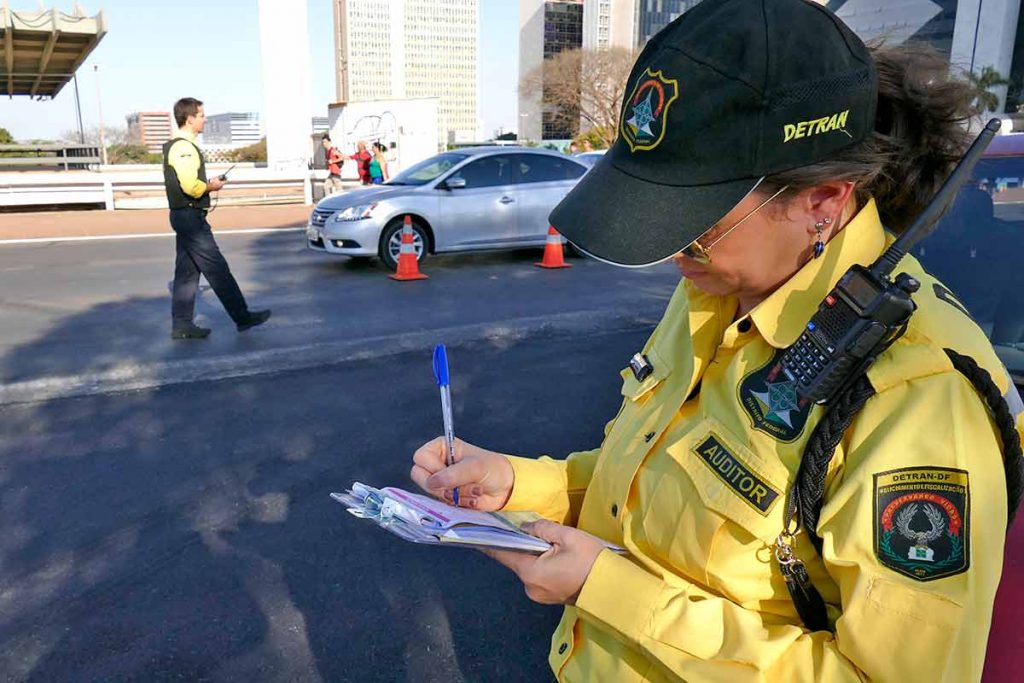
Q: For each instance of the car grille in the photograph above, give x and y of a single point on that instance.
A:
(320, 217)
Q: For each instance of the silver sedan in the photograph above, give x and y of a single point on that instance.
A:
(464, 200)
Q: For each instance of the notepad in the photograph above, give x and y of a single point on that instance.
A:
(421, 519)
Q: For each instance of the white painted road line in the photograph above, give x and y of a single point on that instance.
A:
(93, 238)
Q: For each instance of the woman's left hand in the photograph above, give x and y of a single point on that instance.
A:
(557, 576)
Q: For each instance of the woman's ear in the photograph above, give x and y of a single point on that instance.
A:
(827, 200)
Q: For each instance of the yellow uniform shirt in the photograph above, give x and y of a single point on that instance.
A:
(184, 158)
(692, 478)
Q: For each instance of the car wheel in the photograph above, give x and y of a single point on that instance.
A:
(391, 243)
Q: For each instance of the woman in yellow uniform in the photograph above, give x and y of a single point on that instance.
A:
(766, 150)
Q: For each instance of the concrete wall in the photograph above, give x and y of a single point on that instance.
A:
(411, 124)
(531, 55)
(284, 38)
(996, 30)
(983, 35)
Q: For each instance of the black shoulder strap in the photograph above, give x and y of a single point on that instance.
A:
(808, 493)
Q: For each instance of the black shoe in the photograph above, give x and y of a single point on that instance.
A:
(190, 332)
(254, 318)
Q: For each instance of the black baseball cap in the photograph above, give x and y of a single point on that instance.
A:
(730, 92)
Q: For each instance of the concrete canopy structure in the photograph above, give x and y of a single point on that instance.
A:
(40, 50)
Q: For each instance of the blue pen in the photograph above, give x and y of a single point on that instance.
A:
(441, 374)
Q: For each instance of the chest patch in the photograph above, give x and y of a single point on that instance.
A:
(752, 488)
(770, 400)
(922, 521)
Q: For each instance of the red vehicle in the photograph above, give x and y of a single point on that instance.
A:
(977, 250)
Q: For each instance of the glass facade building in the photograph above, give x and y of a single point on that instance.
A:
(563, 30)
(937, 31)
(654, 15)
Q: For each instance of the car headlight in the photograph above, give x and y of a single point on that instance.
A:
(355, 213)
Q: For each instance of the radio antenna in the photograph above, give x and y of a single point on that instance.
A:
(886, 263)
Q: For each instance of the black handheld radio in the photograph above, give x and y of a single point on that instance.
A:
(867, 311)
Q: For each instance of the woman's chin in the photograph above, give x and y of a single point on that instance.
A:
(708, 284)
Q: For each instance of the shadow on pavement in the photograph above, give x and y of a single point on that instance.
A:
(186, 531)
(315, 299)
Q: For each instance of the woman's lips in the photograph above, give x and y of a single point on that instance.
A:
(688, 270)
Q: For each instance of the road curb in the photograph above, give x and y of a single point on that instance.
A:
(141, 376)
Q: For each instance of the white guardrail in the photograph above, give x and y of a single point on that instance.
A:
(142, 187)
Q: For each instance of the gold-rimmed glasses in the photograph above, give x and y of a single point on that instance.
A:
(702, 254)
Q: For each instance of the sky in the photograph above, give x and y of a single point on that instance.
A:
(157, 51)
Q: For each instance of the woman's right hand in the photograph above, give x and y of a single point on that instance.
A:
(484, 478)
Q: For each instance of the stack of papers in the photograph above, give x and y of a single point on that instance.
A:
(421, 519)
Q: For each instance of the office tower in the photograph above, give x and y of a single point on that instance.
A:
(546, 28)
(233, 128)
(608, 23)
(408, 49)
(654, 15)
(151, 128)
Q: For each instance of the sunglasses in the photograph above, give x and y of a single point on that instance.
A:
(701, 254)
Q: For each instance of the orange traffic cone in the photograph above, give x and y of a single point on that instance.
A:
(553, 251)
(408, 266)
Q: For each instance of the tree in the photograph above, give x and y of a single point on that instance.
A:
(984, 83)
(5, 137)
(113, 136)
(597, 137)
(132, 154)
(255, 152)
(1015, 95)
(583, 88)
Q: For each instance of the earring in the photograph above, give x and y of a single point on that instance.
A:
(819, 246)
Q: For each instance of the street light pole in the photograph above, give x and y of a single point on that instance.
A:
(78, 112)
(99, 105)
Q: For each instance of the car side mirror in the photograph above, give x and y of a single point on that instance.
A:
(455, 183)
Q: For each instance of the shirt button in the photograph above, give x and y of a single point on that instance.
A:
(615, 510)
(744, 325)
(562, 648)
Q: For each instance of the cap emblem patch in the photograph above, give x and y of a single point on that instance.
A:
(645, 112)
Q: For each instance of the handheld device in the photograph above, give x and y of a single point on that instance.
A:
(224, 175)
(867, 311)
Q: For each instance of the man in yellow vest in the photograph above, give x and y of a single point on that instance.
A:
(188, 195)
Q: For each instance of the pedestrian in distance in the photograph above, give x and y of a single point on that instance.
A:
(765, 190)
(378, 165)
(188, 196)
(334, 159)
(362, 158)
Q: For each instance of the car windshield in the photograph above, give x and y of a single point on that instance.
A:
(975, 250)
(428, 170)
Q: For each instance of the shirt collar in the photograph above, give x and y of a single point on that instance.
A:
(187, 134)
(782, 316)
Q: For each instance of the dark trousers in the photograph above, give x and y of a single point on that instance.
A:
(198, 253)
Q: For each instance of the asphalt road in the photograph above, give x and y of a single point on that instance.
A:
(75, 311)
(183, 530)
(186, 532)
